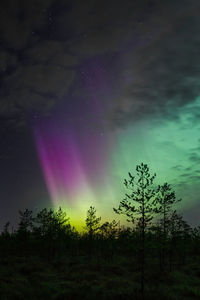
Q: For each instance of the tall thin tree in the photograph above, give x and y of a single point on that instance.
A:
(92, 225)
(137, 205)
(164, 201)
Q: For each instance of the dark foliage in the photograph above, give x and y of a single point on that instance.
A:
(46, 258)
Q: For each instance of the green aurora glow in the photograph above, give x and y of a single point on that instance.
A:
(170, 147)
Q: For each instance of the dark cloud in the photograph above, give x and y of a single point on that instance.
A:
(188, 169)
(19, 20)
(45, 45)
(177, 168)
(166, 71)
(190, 174)
(196, 149)
(185, 175)
(194, 157)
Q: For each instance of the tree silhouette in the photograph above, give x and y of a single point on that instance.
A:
(180, 233)
(164, 201)
(51, 225)
(140, 193)
(24, 228)
(110, 229)
(109, 234)
(5, 231)
(92, 226)
(26, 220)
(54, 247)
(92, 222)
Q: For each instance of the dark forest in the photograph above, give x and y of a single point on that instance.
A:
(156, 257)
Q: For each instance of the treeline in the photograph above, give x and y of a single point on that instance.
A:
(158, 240)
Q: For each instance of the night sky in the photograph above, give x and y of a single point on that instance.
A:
(90, 89)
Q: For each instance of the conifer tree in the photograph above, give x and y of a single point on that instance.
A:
(164, 201)
(26, 222)
(92, 222)
(51, 227)
(92, 226)
(5, 232)
(137, 205)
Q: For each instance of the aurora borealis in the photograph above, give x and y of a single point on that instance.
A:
(90, 90)
(75, 149)
(87, 167)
